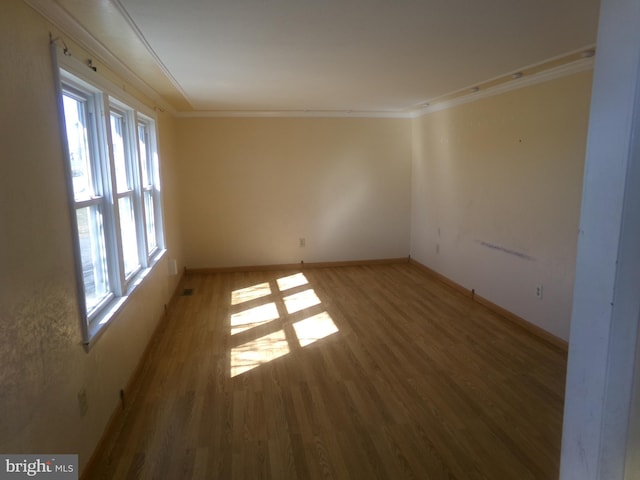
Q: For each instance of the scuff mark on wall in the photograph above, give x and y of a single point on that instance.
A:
(506, 250)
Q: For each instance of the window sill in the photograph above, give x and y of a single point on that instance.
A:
(99, 324)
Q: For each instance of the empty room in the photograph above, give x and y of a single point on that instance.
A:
(332, 239)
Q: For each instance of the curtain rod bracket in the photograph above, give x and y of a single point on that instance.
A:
(54, 41)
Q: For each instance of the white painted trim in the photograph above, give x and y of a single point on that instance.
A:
(603, 348)
(52, 11)
(295, 114)
(125, 14)
(561, 71)
(75, 67)
(531, 66)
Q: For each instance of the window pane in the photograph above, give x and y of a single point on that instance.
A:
(75, 114)
(93, 253)
(117, 136)
(143, 140)
(129, 236)
(152, 242)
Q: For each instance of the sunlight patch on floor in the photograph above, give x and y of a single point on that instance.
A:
(250, 293)
(292, 281)
(253, 317)
(299, 301)
(312, 329)
(258, 352)
(306, 331)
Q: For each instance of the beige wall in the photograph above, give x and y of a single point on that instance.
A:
(496, 196)
(251, 187)
(43, 365)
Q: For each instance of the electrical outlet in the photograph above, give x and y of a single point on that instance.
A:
(303, 242)
(83, 403)
(539, 291)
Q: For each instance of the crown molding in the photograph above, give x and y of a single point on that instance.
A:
(132, 24)
(293, 114)
(567, 69)
(53, 12)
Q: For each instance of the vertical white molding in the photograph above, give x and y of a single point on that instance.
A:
(633, 442)
(606, 305)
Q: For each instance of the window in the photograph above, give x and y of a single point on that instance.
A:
(148, 162)
(115, 195)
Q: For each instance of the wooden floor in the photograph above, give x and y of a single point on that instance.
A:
(350, 372)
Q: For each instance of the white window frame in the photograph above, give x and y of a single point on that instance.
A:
(104, 99)
(132, 190)
(152, 187)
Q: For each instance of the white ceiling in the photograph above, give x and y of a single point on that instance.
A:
(360, 55)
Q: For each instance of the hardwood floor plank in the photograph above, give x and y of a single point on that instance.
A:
(355, 372)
